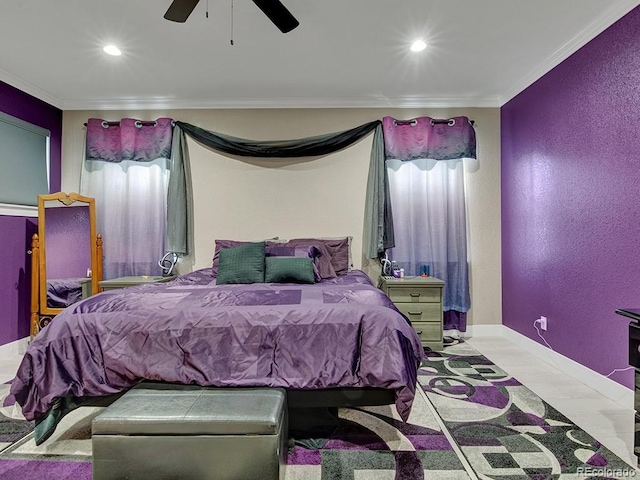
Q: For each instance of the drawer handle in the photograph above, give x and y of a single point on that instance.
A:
(419, 332)
(415, 295)
(415, 313)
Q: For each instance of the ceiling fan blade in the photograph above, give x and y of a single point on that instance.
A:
(180, 10)
(278, 14)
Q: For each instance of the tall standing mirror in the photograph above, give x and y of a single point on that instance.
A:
(66, 256)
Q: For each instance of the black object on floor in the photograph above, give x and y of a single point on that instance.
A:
(312, 427)
(448, 341)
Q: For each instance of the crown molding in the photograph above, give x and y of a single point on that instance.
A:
(30, 89)
(244, 103)
(615, 12)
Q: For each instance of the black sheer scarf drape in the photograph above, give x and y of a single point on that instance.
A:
(378, 235)
(304, 147)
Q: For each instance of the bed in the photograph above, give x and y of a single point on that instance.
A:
(62, 292)
(339, 333)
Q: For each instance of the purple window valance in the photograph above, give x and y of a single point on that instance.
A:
(426, 137)
(131, 139)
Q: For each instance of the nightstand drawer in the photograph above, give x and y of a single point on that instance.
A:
(420, 299)
(428, 331)
(421, 312)
(414, 294)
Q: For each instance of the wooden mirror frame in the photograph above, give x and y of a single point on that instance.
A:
(41, 313)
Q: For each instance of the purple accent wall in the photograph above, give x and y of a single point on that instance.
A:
(15, 232)
(571, 201)
(68, 242)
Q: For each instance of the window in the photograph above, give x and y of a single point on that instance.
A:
(24, 162)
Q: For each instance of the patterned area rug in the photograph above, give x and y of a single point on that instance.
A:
(371, 443)
(505, 430)
(13, 426)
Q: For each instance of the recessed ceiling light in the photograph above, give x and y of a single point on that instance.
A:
(112, 50)
(418, 46)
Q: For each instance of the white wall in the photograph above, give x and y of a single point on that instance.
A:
(247, 199)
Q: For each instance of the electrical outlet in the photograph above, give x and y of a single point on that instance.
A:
(542, 321)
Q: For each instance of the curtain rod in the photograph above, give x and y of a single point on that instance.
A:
(146, 123)
(139, 123)
(413, 122)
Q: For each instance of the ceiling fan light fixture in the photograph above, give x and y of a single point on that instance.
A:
(112, 50)
(418, 45)
(278, 14)
(179, 10)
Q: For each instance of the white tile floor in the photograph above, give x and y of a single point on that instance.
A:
(8, 367)
(606, 420)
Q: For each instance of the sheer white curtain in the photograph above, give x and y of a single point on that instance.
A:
(429, 216)
(131, 208)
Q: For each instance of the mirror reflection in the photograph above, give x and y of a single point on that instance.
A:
(68, 253)
(66, 256)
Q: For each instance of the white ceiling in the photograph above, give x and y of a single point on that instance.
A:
(345, 53)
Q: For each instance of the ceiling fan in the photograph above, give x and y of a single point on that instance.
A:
(282, 18)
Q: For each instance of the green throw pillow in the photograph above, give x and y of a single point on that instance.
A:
(289, 270)
(244, 264)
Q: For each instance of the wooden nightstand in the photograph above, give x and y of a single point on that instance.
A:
(420, 299)
(85, 283)
(123, 282)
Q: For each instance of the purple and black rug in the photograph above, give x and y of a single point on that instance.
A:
(504, 429)
(13, 426)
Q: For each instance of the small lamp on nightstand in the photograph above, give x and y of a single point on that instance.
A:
(168, 263)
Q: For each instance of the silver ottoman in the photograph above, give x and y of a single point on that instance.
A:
(166, 431)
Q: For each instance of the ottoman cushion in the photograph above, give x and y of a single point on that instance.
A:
(188, 431)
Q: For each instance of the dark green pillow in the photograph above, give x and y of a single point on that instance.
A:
(244, 264)
(289, 270)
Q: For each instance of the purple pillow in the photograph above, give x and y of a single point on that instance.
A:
(322, 261)
(283, 250)
(338, 249)
(220, 244)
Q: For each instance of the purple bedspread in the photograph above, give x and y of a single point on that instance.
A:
(341, 332)
(62, 292)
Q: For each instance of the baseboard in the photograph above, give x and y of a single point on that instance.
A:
(17, 347)
(607, 387)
